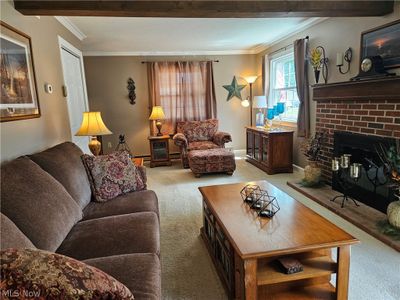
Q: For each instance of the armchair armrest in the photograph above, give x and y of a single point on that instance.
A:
(180, 140)
(220, 138)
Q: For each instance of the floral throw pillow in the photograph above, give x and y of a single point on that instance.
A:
(38, 274)
(112, 175)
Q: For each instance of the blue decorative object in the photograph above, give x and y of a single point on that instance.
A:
(275, 108)
(281, 107)
(270, 114)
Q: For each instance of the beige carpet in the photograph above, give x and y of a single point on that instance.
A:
(187, 270)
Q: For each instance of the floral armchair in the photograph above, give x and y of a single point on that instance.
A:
(199, 135)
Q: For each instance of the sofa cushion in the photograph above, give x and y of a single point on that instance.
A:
(54, 276)
(64, 163)
(141, 273)
(139, 201)
(11, 236)
(37, 203)
(124, 234)
(112, 175)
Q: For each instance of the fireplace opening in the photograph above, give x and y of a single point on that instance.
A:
(373, 188)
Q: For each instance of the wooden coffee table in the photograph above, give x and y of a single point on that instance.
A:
(244, 247)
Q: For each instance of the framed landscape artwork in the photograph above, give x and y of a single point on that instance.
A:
(383, 41)
(19, 99)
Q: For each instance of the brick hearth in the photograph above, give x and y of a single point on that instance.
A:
(369, 117)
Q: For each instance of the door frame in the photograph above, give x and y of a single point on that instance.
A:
(63, 44)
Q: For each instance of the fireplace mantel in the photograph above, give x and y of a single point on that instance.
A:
(377, 89)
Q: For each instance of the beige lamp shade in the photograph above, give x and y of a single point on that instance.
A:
(251, 79)
(259, 102)
(92, 125)
(157, 113)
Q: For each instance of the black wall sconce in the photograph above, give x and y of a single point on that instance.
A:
(347, 58)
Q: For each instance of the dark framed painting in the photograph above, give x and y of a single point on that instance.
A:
(19, 98)
(383, 41)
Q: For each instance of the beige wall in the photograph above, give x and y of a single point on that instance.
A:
(335, 35)
(27, 136)
(106, 79)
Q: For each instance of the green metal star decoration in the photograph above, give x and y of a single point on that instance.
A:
(234, 89)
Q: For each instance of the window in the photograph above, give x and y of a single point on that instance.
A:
(185, 90)
(283, 86)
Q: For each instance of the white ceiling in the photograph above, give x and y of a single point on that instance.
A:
(179, 36)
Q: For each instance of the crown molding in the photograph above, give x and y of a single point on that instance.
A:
(71, 27)
(304, 25)
(166, 53)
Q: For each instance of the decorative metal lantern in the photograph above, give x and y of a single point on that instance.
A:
(250, 193)
(260, 200)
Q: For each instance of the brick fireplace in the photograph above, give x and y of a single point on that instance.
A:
(363, 107)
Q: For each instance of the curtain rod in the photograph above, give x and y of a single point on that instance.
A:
(145, 62)
(285, 47)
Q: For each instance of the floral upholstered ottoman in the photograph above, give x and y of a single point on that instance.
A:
(212, 161)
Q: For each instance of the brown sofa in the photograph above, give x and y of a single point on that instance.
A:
(46, 204)
(199, 135)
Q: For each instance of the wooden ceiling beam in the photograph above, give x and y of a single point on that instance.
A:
(206, 9)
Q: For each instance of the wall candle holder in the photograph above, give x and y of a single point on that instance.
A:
(347, 58)
(342, 169)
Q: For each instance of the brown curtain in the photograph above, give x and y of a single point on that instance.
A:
(300, 65)
(185, 90)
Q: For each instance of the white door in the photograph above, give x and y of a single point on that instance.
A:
(74, 81)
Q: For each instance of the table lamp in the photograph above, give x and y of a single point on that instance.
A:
(260, 102)
(93, 125)
(157, 114)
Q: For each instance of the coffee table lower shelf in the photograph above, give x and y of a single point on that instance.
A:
(311, 283)
(320, 291)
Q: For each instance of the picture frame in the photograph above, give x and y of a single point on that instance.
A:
(19, 98)
(384, 41)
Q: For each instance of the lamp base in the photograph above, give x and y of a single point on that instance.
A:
(94, 145)
(260, 119)
(159, 125)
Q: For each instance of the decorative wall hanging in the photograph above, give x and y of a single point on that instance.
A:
(131, 88)
(234, 89)
(319, 62)
(383, 41)
(19, 98)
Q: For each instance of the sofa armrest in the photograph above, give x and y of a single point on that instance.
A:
(142, 172)
(180, 140)
(220, 138)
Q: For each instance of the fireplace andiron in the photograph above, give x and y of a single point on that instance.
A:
(259, 200)
(342, 169)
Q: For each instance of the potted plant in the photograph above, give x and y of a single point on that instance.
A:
(391, 159)
(315, 61)
(312, 150)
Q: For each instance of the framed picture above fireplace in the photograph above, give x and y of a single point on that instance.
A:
(383, 41)
(19, 98)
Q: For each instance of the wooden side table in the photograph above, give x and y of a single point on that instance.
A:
(159, 151)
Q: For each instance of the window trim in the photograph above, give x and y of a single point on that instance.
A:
(272, 78)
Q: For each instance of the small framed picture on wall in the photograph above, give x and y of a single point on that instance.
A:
(19, 98)
(383, 41)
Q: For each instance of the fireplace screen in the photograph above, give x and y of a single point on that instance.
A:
(373, 188)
